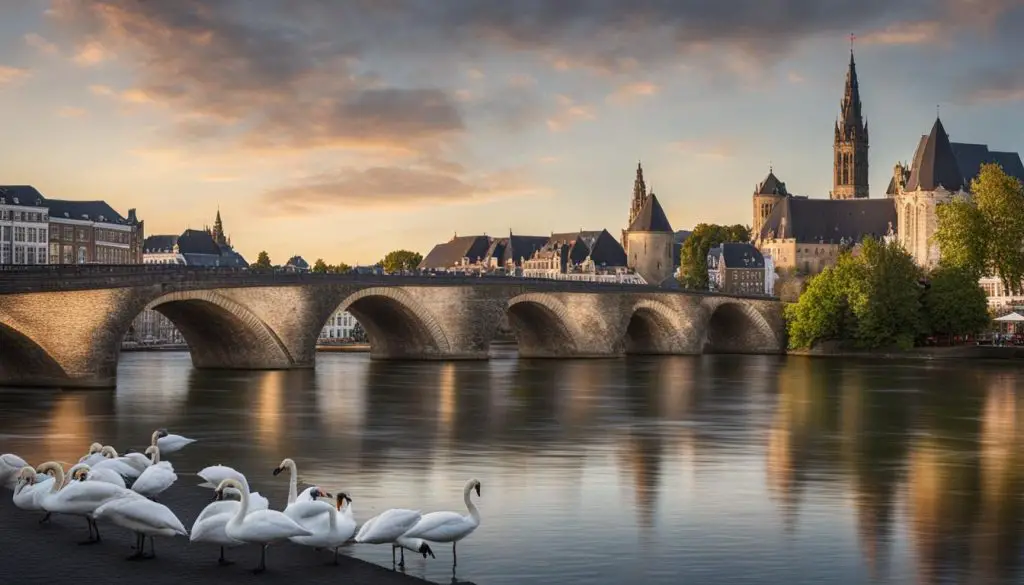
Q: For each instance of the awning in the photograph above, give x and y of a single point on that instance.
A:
(1011, 318)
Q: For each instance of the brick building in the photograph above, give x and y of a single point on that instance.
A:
(91, 232)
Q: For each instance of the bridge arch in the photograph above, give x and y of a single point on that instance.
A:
(22, 360)
(733, 326)
(654, 328)
(542, 326)
(222, 333)
(398, 325)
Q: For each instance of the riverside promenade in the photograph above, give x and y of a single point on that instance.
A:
(50, 553)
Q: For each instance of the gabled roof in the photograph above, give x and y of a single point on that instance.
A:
(829, 221)
(935, 163)
(515, 248)
(575, 247)
(296, 261)
(84, 210)
(970, 158)
(449, 253)
(158, 244)
(771, 185)
(25, 194)
(651, 217)
(197, 242)
(738, 255)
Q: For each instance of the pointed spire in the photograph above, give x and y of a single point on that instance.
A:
(935, 164)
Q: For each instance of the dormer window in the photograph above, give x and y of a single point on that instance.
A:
(66, 215)
(15, 200)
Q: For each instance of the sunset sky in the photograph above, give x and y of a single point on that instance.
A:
(343, 129)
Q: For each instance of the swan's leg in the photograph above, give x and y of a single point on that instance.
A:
(263, 561)
(45, 518)
(455, 557)
(97, 529)
(401, 562)
(392, 554)
(92, 539)
(335, 556)
(223, 561)
(140, 542)
(152, 548)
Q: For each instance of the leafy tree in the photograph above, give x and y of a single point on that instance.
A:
(263, 261)
(358, 334)
(693, 257)
(339, 268)
(953, 303)
(399, 260)
(320, 267)
(870, 297)
(984, 234)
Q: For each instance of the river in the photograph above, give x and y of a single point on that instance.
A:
(660, 470)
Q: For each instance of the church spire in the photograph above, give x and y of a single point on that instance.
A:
(850, 166)
(639, 193)
(218, 230)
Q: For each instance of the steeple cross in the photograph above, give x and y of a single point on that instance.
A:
(853, 37)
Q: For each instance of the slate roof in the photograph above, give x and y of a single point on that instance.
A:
(603, 249)
(84, 210)
(447, 254)
(771, 185)
(295, 261)
(968, 158)
(159, 244)
(197, 246)
(197, 242)
(738, 255)
(829, 221)
(935, 164)
(25, 194)
(651, 217)
(515, 248)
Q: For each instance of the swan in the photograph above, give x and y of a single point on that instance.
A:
(306, 495)
(157, 477)
(116, 463)
(78, 498)
(136, 460)
(144, 518)
(262, 527)
(387, 527)
(213, 475)
(93, 456)
(10, 467)
(29, 491)
(449, 526)
(212, 521)
(83, 472)
(333, 533)
(169, 443)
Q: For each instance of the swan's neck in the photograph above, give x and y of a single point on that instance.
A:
(293, 474)
(154, 438)
(243, 509)
(58, 480)
(469, 504)
(156, 456)
(334, 520)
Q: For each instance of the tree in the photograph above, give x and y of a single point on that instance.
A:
(339, 268)
(871, 297)
(263, 261)
(983, 235)
(399, 260)
(358, 334)
(320, 267)
(693, 257)
(953, 303)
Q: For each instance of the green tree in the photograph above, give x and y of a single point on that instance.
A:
(320, 267)
(399, 260)
(339, 268)
(693, 256)
(953, 303)
(984, 234)
(871, 297)
(263, 261)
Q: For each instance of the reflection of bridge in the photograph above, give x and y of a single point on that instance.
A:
(63, 325)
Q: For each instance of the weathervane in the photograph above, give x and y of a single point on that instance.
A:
(853, 37)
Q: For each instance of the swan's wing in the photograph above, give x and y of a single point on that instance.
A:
(388, 526)
(215, 509)
(89, 491)
(306, 494)
(107, 476)
(266, 525)
(435, 524)
(142, 511)
(154, 480)
(300, 511)
(11, 461)
(215, 474)
(257, 502)
(366, 529)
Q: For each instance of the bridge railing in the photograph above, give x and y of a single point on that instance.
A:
(39, 278)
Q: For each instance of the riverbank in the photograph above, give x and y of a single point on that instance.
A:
(351, 347)
(49, 552)
(958, 352)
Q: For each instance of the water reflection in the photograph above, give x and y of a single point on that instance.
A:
(660, 470)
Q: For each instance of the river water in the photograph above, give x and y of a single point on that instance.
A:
(667, 470)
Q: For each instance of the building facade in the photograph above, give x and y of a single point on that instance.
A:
(649, 241)
(339, 328)
(482, 254)
(91, 232)
(850, 148)
(24, 226)
(738, 268)
(766, 194)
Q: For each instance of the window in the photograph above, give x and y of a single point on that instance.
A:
(82, 235)
(81, 255)
(31, 235)
(19, 234)
(30, 255)
(69, 233)
(67, 254)
(54, 253)
(5, 254)
(5, 234)
(19, 254)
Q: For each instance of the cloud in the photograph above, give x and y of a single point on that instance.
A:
(379, 188)
(71, 112)
(474, 73)
(102, 90)
(630, 91)
(704, 148)
(91, 53)
(905, 33)
(41, 44)
(795, 77)
(569, 112)
(12, 75)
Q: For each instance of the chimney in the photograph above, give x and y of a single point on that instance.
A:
(131, 216)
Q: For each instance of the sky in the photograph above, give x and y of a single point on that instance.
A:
(343, 129)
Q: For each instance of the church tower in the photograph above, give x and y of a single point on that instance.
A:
(850, 164)
(640, 197)
(218, 231)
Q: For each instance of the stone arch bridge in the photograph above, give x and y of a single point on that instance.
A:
(63, 326)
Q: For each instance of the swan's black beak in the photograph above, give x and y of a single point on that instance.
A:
(277, 471)
(478, 490)
(218, 495)
(425, 549)
(161, 433)
(326, 495)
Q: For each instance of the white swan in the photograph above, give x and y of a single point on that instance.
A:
(144, 518)
(213, 475)
(116, 463)
(83, 472)
(306, 495)
(449, 526)
(213, 520)
(29, 491)
(338, 528)
(263, 527)
(387, 527)
(10, 467)
(93, 456)
(169, 443)
(136, 460)
(157, 477)
(79, 498)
